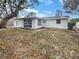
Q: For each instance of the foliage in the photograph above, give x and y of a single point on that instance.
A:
(75, 19)
(11, 8)
(71, 5)
(14, 6)
(72, 23)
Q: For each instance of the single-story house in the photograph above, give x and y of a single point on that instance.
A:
(36, 22)
(77, 25)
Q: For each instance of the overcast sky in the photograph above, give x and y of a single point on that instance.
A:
(46, 8)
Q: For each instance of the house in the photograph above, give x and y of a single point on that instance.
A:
(77, 25)
(36, 22)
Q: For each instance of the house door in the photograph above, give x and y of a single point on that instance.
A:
(27, 23)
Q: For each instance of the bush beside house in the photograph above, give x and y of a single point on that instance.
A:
(72, 23)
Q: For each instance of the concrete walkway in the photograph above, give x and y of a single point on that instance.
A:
(2, 29)
(35, 31)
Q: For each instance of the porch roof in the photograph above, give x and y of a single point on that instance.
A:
(28, 18)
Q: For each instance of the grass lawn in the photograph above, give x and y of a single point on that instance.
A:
(43, 44)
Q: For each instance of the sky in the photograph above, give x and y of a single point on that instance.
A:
(46, 8)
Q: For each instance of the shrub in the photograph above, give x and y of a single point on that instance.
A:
(70, 25)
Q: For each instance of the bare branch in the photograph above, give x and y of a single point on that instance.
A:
(71, 6)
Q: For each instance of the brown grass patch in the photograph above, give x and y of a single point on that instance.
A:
(44, 44)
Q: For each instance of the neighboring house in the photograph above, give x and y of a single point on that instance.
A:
(36, 22)
(77, 25)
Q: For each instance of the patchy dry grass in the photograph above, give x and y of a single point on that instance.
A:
(44, 44)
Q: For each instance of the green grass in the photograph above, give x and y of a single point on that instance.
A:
(44, 44)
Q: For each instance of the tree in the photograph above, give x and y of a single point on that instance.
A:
(11, 8)
(72, 23)
(71, 6)
(59, 13)
(31, 14)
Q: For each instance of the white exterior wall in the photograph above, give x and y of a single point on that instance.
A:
(77, 24)
(35, 24)
(52, 24)
(48, 24)
(19, 23)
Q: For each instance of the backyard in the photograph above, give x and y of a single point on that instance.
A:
(39, 44)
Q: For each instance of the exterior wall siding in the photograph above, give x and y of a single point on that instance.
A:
(19, 23)
(53, 24)
(35, 24)
(77, 24)
(48, 24)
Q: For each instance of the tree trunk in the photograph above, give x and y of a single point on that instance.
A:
(6, 19)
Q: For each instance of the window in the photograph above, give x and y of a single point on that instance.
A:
(29, 21)
(39, 21)
(58, 21)
(17, 22)
(44, 21)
